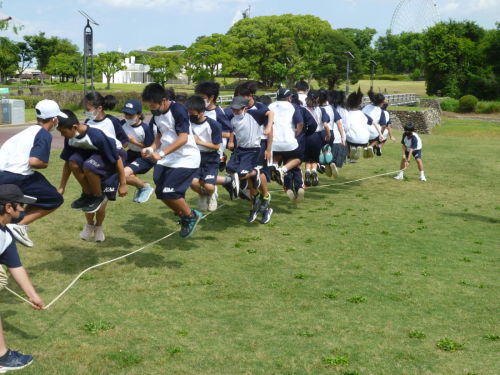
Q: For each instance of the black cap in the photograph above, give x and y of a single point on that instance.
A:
(283, 93)
(239, 102)
(10, 193)
(409, 127)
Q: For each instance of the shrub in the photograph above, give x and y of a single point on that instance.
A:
(467, 103)
(488, 107)
(387, 77)
(449, 105)
(416, 75)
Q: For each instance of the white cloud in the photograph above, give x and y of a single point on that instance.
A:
(485, 4)
(191, 5)
(449, 7)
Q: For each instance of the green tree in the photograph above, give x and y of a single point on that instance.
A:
(362, 38)
(9, 53)
(158, 48)
(108, 63)
(43, 47)
(400, 54)
(26, 56)
(165, 66)
(65, 66)
(177, 47)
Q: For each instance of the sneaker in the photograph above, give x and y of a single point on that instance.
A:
(291, 194)
(81, 202)
(335, 171)
(369, 152)
(365, 153)
(307, 179)
(222, 163)
(212, 201)
(136, 195)
(321, 168)
(99, 234)
(189, 223)
(378, 150)
(20, 233)
(359, 150)
(203, 202)
(264, 203)
(328, 154)
(300, 195)
(245, 194)
(314, 178)
(14, 361)
(94, 204)
(266, 216)
(144, 194)
(87, 232)
(252, 216)
(422, 178)
(399, 176)
(278, 175)
(328, 170)
(229, 187)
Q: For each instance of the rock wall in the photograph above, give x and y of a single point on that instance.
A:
(423, 121)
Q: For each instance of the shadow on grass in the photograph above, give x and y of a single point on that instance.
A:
(13, 329)
(464, 215)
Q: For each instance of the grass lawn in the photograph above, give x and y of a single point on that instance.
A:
(375, 277)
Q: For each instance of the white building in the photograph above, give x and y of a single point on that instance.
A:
(134, 73)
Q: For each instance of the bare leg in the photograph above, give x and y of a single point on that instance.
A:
(34, 213)
(80, 177)
(179, 206)
(292, 163)
(132, 179)
(100, 215)
(420, 165)
(196, 186)
(94, 182)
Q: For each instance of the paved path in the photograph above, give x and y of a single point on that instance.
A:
(7, 131)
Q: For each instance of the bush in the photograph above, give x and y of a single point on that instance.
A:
(449, 105)
(387, 77)
(467, 103)
(416, 75)
(488, 107)
(29, 101)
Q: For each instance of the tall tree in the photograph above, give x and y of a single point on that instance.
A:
(9, 53)
(65, 66)
(164, 67)
(108, 63)
(362, 38)
(43, 47)
(26, 56)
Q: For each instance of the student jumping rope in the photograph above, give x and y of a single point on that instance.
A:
(375, 112)
(339, 147)
(412, 146)
(247, 124)
(358, 126)
(315, 141)
(288, 122)
(93, 159)
(140, 135)
(326, 154)
(386, 130)
(176, 154)
(208, 136)
(12, 201)
(302, 89)
(20, 156)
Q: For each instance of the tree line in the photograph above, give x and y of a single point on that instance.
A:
(455, 58)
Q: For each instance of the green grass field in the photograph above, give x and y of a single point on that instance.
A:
(374, 277)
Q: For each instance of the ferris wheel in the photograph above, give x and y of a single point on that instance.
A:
(414, 16)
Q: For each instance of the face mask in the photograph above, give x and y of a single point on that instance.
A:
(193, 119)
(90, 115)
(130, 122)
(20, 218)
(207, 103)
(239, 117)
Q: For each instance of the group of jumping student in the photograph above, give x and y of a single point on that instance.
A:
(185, 144)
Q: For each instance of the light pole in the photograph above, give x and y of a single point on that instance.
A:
(88, 51)
(348, 70)
(374, 64)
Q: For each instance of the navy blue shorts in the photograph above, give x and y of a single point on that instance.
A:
(262, 162)
(293, 179)
(288, 155)
(314, 144)
(417, 154)
(172, 183)
(34, 185)
(301, 138)
(350, 144)
(209, 167)
(132, 155)
(339, 152)
(141, 166)
(243, 161)
(93, 162)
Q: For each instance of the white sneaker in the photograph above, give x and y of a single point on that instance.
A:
(300, 195)
(99, 234)
(369, 152)
(422, 178)
(20, 233)
(203, 202)
(335, 171)
(87, 232)
(290, 194)
(328, 170)
(212, 201)
(400, 176)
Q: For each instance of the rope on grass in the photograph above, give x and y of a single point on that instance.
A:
(163, 238)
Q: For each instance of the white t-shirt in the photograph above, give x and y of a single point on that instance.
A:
(107, 127)
(357, 127)
(283, 127)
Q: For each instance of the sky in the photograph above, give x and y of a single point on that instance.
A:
(138, 24)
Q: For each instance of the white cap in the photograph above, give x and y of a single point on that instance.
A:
(46, 109)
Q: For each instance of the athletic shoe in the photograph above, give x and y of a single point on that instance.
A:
(20, 233)
(81, 202)
(378, 150)
(189, 223)
(278, 175)
(422, 178)
(257, 203)
(335, 171)
(300, 195)
(229, 187)
(245, 194)
(328, 154)
(307, 179)
(136, 195)
(14, 361)
(290, 194)
(203, 202)
(99, 234)
(328, 170)
(359, 150)
(222, 163)
(400, 176)
(365, 153)
(322, 156)
(266, 216)
(144, 194)
(369, 152)
(314, 178)
(252, 216)
(264, 203)
(94, 203)
(87, 232)
(321, 168)
(212, 201)
(236, 184)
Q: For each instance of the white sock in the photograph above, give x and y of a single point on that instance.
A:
(314, 170)
(284, 169)
(308, 170)
(422, 174)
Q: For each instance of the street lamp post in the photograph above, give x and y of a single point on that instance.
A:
(374, 64)
(88, 51)
(348, 70)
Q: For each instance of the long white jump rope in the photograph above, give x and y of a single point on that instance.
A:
(165, 237)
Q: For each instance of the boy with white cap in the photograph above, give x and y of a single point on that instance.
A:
(20, 155)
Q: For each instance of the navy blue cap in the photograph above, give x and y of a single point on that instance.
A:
(10, 193)
(132, 107)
